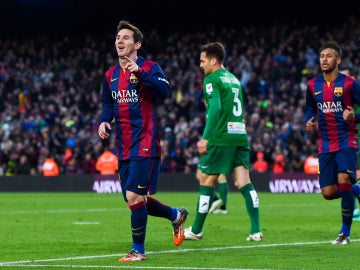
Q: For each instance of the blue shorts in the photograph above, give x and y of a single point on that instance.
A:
(342, 161)
(139, 175)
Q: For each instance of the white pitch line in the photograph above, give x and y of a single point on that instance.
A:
(137, 267)
(32, 263)
(86, 223)
(59, 211)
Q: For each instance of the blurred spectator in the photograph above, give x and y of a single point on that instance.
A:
(107, 163)
(260, 165)
(284, 134)
(311, 164)
(170, 138)
(179, 161)
(50, 167)
(295, 158)
(2, 73)
(25, 167)
(12, 165)
(49, 97)
(297, 164)
(24, 101)
(88, 164)
(279, 163)
(311, 58)
(67, 156)
(72, 166)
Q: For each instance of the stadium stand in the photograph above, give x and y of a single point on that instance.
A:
(50, 91)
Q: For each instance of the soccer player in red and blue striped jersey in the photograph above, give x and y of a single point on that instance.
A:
(328, 96)
(131, 91)
(353, 114)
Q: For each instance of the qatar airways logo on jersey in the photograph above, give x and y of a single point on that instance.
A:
(125, 96)
(330, 106)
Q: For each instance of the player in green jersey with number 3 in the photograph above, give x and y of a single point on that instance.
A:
(224, 147)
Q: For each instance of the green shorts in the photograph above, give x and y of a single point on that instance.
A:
(223, 159)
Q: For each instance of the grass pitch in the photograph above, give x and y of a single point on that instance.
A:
(92, 231)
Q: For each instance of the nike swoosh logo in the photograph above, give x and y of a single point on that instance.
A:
(141, 186)
(113, 80)
(135, 229)
(316, 93)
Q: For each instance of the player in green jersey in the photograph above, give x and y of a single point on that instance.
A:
(224, 147)
(356, 215)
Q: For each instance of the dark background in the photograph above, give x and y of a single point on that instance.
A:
(80, 16)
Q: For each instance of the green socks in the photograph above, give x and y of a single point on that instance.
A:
(223, 192)
(203, 205)
(252, 206)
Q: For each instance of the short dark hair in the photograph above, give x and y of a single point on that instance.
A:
(214, 49)
(347, 68)
(123, 24)
(332, 45)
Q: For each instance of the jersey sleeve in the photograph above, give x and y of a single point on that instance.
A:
(107, 103)
(310, 102)
(152, 76)
(212, 116)
(356, 92)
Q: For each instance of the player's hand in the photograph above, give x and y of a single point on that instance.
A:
(131, 65)
(104, 126)
(349, 114)
(201, 145)
(310, 125)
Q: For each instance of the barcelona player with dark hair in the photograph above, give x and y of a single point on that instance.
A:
(131, 91)
(328, 96)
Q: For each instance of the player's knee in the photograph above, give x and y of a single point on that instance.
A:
(331, 195)
(327, 196)
(331, 192)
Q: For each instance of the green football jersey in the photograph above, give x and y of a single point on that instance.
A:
(225, 124)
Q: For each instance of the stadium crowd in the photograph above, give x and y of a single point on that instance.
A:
(50, 93)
